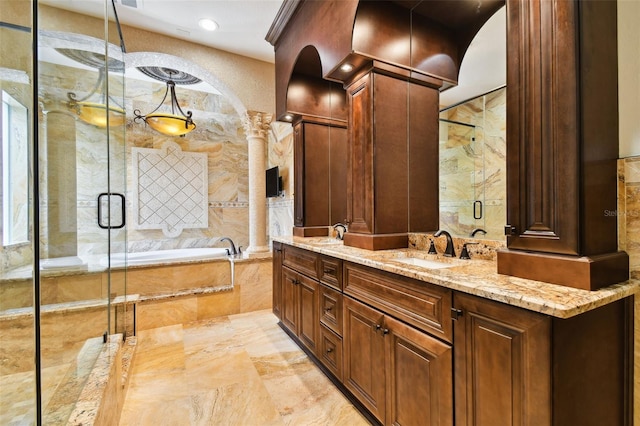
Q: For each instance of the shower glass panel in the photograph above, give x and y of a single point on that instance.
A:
(18, 367)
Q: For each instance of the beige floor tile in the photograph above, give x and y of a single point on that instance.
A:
(237, 370)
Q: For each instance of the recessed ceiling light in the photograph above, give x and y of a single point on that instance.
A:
(208, 24)
(346, 67)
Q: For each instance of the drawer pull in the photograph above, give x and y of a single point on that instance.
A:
(329, 350)
(328, 271)
(328, 309)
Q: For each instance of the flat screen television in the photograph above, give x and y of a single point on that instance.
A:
(274, 182)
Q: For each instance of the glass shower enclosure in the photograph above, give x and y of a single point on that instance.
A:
(63, 173)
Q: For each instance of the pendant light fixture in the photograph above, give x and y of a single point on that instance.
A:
(172, 124)
(105, 110)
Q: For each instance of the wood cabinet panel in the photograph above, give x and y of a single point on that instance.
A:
(419, 370)
(290, 307)
(277, 279)
(423, 305)
(300, 260)
(360, 177)
(502, 364)
(330, 351)
(331, 309)
(363, 372)
(561, 126)
(309, 321)
(330, 271)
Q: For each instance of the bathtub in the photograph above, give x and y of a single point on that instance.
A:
(164, 256)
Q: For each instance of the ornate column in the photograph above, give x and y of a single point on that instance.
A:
(256, 125)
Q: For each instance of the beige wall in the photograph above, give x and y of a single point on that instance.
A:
(629, 76)
(252, 81)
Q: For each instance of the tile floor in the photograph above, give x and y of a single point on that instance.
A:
(236, 370)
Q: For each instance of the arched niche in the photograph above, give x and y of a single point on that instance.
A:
(426, 39)
(309, 95)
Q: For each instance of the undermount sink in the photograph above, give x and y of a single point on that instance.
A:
(424, 263)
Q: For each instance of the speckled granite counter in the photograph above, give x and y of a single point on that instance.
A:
(477, 277)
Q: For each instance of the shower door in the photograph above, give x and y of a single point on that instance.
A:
(63, 173)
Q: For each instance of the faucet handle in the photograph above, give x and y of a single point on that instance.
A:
(464, 254)
(432, 248)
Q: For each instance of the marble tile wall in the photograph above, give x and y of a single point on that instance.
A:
(280, 153)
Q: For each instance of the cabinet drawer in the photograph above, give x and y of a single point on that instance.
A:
(300, 260)
(330, 351)
(423, 305)
(330, 271)
(331, 309)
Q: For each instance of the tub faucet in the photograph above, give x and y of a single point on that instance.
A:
(340, 228)
(450, 250)
(232, 251)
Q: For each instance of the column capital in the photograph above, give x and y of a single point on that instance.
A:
(257, 123)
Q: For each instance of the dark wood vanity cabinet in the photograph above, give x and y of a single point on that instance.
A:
(414, 353)
(401, 375)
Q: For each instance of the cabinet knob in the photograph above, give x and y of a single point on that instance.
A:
(328, 271)
(376, 327)
(329, 350)
(328, 309)
(385, 331)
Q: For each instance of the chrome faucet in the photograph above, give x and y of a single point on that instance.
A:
(450, 250)
(341, 233)
(232, 250)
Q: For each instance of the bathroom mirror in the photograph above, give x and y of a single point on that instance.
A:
(15, 169)
(472, 149)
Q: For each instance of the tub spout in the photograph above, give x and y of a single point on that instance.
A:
(232, 249)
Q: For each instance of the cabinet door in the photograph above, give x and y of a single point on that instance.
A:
(502, 364)
(290, 307)
(419, 372)
(309, 320)
(363, 351)
(277, 279)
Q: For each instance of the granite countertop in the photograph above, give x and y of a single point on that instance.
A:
(475, 276)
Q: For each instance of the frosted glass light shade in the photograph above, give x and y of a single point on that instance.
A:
(170, 124)
(98, 114)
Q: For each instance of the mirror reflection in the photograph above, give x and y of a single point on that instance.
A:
(472, 151)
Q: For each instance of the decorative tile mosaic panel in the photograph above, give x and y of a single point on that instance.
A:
(170, 189)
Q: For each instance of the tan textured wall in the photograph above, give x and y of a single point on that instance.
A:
(252, 81)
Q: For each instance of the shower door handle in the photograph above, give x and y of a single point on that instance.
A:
(106, 201)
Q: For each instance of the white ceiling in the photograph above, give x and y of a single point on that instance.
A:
(243, 25)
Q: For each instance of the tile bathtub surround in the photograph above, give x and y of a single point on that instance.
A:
(236, 370)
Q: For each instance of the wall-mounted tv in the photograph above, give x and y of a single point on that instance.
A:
(274, 182)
